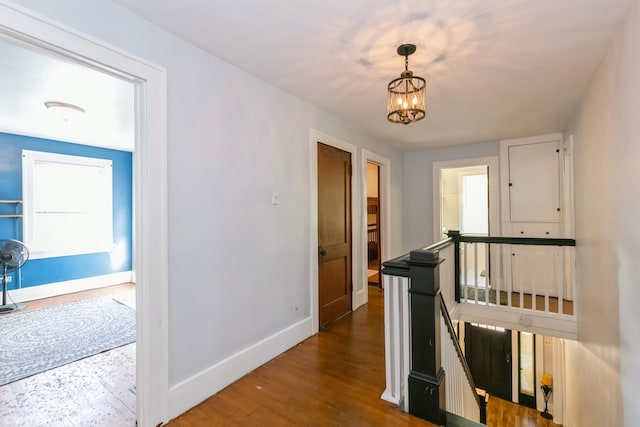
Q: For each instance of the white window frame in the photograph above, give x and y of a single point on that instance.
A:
(29, 161)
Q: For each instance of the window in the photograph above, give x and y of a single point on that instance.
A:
(67, 204)
(491, 327)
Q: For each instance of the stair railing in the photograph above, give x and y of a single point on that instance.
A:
(415, 323)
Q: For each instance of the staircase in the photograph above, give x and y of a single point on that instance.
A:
(429, 290)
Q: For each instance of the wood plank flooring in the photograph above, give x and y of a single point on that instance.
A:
(334, 378)
(567, 305)
(95, 391)
(501, 413)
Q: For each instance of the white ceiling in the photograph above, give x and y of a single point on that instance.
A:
(30, 77)
(494, 68)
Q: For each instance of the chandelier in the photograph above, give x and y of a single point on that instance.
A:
(406, 93)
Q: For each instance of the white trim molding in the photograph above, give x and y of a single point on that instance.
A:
(150, 191)
(69, 286)
(362, 295)
(192, 391)
(494, 191)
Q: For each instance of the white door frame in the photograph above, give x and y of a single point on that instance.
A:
(315, 137)
(150, 190)
(494, 191)
(362, 294)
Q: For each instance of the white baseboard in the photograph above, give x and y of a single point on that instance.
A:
(60, 288)
(362, 297)
(190, 392)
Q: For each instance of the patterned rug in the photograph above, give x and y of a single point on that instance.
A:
(36, 341)
(471, 292)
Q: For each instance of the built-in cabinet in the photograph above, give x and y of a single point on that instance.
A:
(533, 185)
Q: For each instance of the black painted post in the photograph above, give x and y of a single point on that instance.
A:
(455, 235)
(426, 378)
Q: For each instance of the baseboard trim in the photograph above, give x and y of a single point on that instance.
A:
(190, 392)
(362, 297)
(60, 288)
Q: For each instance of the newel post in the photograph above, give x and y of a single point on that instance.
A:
(426, 378)
(455, 235)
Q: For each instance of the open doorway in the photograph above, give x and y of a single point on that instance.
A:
(465, 199)
(150, 202)
(68, 148)
(375, 232)
(374, 256)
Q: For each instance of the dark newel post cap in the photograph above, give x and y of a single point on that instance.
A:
(422, 256)
(453, 233)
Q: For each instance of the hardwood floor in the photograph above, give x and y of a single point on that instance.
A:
(125, 293)
(567, 305)
(95, 391)
(334, 378)
(501, 413)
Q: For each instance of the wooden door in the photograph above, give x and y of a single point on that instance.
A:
(334, 233)
(488, 354)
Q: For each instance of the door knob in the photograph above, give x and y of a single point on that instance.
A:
(321, 253)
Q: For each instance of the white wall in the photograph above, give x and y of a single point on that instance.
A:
(417, 213)
(603, 368)
(237, 264)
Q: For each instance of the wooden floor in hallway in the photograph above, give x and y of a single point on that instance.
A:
(334, 378)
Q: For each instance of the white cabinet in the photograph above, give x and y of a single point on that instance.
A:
(531, 175)
(534, 185)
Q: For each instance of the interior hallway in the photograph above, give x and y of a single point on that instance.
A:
(334, 378)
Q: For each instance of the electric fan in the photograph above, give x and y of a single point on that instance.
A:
(13, 255)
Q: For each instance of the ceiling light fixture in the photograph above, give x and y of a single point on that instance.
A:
(64, 110)
(407, 93)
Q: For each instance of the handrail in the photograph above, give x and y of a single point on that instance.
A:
(463, 360)
(399, 266)
(537, 241)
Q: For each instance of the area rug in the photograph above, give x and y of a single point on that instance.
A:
(471, 292)
(35, 341)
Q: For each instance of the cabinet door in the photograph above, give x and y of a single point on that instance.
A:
(534, 187)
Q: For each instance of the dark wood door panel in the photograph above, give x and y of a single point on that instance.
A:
(334, 233)
(488, 354)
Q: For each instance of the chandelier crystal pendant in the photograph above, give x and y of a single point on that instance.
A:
(406, 102)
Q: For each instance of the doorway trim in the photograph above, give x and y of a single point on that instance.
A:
(362, 294)
(315, 136)
(150, 190)
(494, 191)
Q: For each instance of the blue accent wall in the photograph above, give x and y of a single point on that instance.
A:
(58, 269)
